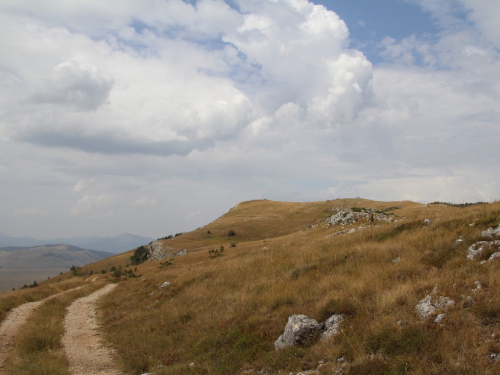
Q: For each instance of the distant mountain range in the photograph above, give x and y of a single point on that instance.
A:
(48, 257)
(118, 244)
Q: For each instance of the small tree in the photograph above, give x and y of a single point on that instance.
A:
(231, 233)
(140, 255)
(75, 270)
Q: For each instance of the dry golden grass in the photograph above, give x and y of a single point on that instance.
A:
(224, 314)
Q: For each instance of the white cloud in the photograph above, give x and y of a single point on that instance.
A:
(82, 185)
(181, 107)
(90, 202)
(82, 87)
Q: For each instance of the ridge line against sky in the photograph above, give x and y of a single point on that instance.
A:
(156, 117)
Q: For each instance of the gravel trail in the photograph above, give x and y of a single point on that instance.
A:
(84, 348)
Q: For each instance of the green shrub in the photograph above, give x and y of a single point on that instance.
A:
(140, 255)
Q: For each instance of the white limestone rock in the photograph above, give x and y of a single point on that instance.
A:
(158, 252)
(299, 330)
(491, 233)
(429, 306)
(332, 325)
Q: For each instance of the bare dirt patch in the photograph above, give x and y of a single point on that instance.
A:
(84, 348)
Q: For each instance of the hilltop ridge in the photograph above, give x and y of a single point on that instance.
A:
(411, 297)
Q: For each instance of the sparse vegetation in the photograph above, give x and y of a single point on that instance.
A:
(214, 253)
(224, 315)
(166, 263)
(140, 255)
(75, 270)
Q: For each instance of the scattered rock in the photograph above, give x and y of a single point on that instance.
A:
(494, 357)
(343, 217)
(158, 252)
(350, 216)
(164, 285)
(478, 285)
(299, 330)
(491, 233)
(430, 306)
(395, 260)
(332, 325)
(439, 318)
(478, 247)
(427, 221)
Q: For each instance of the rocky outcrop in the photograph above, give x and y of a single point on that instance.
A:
(491, 233)
(158, 252)
(477, 248)
(352, 215)
(434, 305)
(301, 330)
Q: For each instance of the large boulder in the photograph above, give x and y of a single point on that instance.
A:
(299, 330)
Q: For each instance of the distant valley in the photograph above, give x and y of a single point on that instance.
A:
(118, 244)
(24, 265)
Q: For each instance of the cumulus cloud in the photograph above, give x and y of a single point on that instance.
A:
(193, 106)
(82, 87)
(158, 90)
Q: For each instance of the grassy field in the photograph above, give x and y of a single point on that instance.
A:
(222, 315)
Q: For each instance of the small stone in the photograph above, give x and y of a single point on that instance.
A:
(395, 260)
(495, 357)
(164, 285)
(439, 318)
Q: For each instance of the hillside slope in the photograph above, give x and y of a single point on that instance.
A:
(381, 265)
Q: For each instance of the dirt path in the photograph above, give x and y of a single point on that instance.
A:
(85, 351)
(8, 330)
(14, 320)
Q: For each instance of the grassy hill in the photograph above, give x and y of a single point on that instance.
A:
(222, 315)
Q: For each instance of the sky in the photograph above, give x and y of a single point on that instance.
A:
(156, 117)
